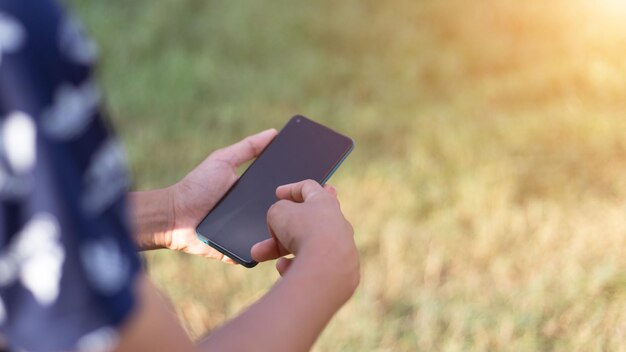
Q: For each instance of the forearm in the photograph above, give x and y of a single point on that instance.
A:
(288, 318)
(152, 218)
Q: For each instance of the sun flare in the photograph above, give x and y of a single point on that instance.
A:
(613, 10)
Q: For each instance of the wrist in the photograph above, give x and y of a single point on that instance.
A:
(165, 240)
(334, 269)
(153, 218)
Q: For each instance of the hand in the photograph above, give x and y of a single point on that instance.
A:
(198, 192)
(307, 221)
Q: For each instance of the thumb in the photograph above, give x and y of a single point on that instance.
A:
(246, 149)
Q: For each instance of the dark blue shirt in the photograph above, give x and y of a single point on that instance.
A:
(67, 263)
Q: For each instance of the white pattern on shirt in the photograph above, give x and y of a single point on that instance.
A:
(72, 110)
(35, 257)
(11, 35)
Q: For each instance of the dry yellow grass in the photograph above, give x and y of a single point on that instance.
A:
(488, 186)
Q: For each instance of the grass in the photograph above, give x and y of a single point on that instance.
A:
(487, 189)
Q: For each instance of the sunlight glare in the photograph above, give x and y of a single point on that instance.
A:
(613, 9)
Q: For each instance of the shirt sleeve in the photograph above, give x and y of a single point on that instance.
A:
(67, 262)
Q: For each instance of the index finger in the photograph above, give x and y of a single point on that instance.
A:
(299, 191)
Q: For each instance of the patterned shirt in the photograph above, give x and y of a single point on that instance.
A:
(67, 263)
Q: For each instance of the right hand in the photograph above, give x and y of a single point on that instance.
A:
(307, 222)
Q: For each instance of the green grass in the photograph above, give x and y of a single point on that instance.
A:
(488, 185)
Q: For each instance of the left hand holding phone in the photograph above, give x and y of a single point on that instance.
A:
(202, 188)
(167, 218)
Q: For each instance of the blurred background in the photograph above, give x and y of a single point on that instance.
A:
(488, 185)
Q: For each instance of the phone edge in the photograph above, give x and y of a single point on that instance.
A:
(343, 158)
(226, 252)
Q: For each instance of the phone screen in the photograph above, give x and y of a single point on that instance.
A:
(302, 150)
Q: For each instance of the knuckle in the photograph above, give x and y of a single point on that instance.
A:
(356, 280)
(272, 212)
(309, 182)
(282, 204)
(276, 210)
(349, 228)
(218, 153)
(221, 156)
(329, 200)
(252, 148)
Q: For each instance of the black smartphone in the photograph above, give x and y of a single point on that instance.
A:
(303, 149)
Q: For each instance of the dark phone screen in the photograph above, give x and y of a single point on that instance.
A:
(302, 150)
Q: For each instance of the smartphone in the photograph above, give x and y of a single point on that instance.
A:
(303, 149)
